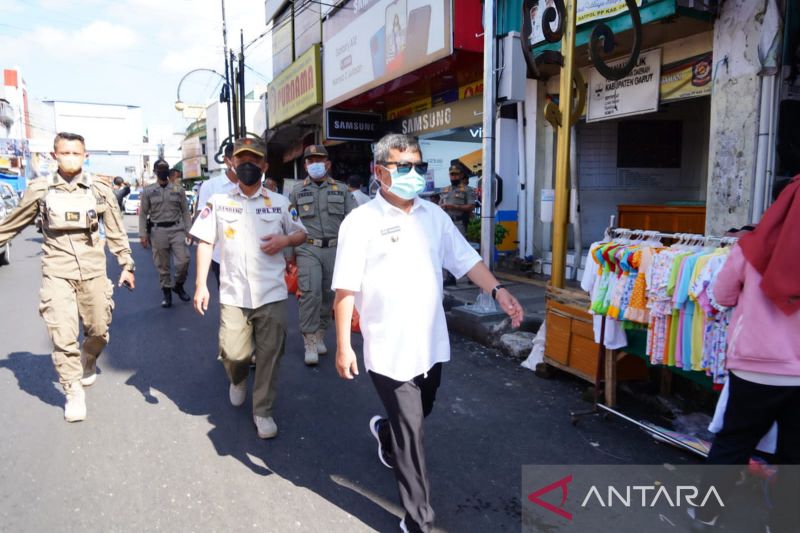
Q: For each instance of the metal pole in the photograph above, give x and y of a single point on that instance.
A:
(242, 117)
(234, 98)
(227, 75)
(561, 207)
(487, 198)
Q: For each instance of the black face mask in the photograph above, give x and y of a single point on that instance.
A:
(248, 173)
(162, 174)
(455, 182)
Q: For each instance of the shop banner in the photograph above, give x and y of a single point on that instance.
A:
(588, 10)
(375, 41)
(688, 78)
(455, 115)
(634, 94)
(470, 90)
(410, 108)
(351, 126)
(296, 89)
(193, 167)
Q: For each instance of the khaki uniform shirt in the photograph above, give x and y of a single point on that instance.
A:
(249, 278)
(459, 195)
(322, 207)
(163, 204)
(76, 254)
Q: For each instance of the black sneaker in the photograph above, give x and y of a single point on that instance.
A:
(376, 423)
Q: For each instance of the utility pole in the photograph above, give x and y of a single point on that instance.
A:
(487, 198)
(227, 89)
(242, 117)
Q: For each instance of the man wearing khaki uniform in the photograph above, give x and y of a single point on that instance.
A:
(164, 206)
(251, 225)
(74, 284)
(458, 201)
(322, 204)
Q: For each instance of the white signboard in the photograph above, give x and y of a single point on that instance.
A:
(634, 94)
(374, 41)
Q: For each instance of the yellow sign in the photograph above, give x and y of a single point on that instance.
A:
(470, 90)
(296, 89)
(410, 108)
(688, 78)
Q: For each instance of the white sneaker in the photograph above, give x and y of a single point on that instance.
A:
(75, 406)
(266, 426)
(403, 527)
(238, 393)
(320, 338)
(311, 357)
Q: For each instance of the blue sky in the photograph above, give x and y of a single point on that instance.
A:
(130, 52)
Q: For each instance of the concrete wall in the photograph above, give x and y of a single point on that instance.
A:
(734, 114)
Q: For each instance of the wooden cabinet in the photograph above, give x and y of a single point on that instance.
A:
(664, 218)
(570, 346)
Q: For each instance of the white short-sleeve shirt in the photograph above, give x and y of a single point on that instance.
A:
(393, 261)
(249, 278)
(215, 185)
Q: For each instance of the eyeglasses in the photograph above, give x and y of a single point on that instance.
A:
(405, 168)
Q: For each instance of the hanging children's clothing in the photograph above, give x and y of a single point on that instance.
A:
(637, 284)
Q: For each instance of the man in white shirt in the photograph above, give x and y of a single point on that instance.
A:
(389, 265)
(354, 186)
(219, 184)
(252, 226)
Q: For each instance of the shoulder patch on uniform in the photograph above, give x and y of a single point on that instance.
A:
(293, 212)
(207, 210)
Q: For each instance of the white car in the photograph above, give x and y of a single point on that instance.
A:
(130, 203)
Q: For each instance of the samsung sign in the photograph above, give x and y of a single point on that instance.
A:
(352, 126)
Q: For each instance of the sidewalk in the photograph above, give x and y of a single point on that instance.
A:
(494, 329)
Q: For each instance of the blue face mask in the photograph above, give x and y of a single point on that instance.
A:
(406, 186)
(316, 170)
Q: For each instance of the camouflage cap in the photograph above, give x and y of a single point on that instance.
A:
(250, 144)
(315, 149)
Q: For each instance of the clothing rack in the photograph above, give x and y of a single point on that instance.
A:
(625, 233)
(607, 358)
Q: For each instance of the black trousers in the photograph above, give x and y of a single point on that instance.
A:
(752, 409)
(407, 403)
(215, 270)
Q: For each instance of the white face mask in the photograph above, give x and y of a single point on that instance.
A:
(317, 170)
(406, 186)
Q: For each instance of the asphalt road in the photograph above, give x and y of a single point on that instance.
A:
(162, 449)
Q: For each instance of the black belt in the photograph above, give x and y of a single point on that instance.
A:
(165, 224)
(322, 243)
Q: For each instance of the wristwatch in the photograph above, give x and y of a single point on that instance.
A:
(494, 291)
(130, 267)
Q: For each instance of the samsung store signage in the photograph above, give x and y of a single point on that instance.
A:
(352, 126)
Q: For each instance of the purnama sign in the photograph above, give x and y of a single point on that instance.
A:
(634, 94)
(296, 89)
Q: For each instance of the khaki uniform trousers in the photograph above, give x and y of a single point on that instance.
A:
(168, 242)
(241, 331)
(63, 303)
(314, 279)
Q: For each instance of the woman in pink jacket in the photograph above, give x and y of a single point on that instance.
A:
(761, 278)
